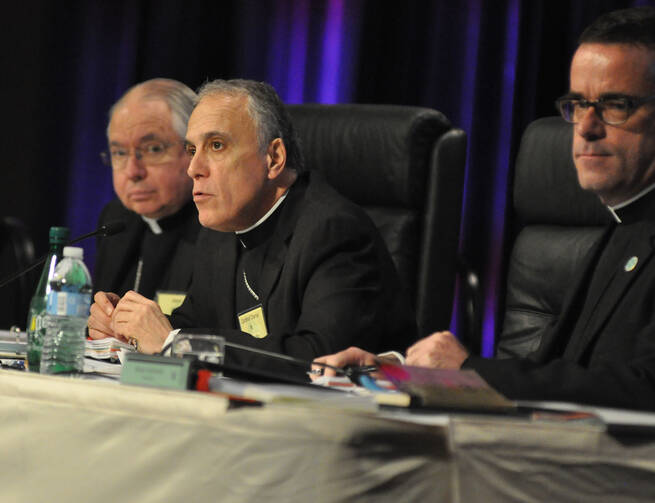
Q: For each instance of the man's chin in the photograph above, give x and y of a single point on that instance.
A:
(207, 221)
(607, 193)
(597, 183)
(148, 210)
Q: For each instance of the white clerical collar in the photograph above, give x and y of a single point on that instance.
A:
(153, 224)
(627, 202)
(265, 217)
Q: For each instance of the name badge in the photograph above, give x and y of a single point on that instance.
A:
(168, 301)
(253, 322)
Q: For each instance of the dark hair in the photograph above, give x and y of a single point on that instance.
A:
(271, 118)
(634, 26)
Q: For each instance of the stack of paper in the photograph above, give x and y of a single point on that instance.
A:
(269, 393)
(13, 345)
(382, 392)
(105, 349)
(103, 367)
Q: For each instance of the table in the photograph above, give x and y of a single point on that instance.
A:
(69, 439)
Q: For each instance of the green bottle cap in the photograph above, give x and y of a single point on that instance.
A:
(59, 234)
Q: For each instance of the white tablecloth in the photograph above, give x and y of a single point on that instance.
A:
(73, 440)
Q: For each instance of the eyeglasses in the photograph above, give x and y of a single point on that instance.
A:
(152, 152)
(612, 110)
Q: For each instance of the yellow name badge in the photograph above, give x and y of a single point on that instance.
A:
(252, 322)
(168, 301)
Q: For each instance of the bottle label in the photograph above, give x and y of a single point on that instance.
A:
(69, 304)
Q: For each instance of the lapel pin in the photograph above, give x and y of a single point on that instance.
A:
(630, 264)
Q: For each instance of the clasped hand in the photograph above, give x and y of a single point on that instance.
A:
(133, 317)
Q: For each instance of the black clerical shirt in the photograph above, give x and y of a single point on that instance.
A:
(615, 258)
(156, 251)
(252, 249)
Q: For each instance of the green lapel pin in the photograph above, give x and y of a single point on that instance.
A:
(630, 264)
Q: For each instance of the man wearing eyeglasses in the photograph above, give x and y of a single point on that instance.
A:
(602, 349)
(149, 170)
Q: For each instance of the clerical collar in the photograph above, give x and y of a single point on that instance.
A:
(638, 207)
(152, 223)
(262, 229)
(157, 226)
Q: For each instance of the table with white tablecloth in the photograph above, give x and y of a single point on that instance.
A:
(68, 439)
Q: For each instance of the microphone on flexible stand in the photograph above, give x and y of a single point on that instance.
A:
(353, 372)
(108, 229)
(350, 371)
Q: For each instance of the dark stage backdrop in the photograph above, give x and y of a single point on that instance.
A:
(491, 66)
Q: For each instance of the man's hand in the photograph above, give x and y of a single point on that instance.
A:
(100, 318)
(441, 350)
(350, 356)
(139, 318)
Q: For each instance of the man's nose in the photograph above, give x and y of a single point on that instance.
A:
(134, 167)
(590, 126)
(197, 167)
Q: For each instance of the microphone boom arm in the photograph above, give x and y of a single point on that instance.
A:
(108, 229)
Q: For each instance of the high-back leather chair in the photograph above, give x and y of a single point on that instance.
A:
(405, 166)
(16, 253)
(553, 223)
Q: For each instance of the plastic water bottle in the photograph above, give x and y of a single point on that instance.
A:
(58, 237)
(66, 315)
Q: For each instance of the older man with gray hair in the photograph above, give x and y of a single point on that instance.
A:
(284, 263)
(148, 162)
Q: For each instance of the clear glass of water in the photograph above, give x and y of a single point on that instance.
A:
(206, 347)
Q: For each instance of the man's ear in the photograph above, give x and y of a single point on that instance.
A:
(276, 158)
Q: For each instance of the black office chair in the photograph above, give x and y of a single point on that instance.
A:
(553, 223)
(16, 253)
(405, 166)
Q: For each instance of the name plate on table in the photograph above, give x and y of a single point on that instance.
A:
(156, 371)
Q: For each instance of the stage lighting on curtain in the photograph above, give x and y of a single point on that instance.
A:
(501, 176)
(312, 50)
(485, 112)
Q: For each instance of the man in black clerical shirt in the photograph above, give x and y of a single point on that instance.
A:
(284, 263)
(146, 154)
(602, 348)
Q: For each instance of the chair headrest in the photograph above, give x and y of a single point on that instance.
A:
(383, 149)
(546, 189)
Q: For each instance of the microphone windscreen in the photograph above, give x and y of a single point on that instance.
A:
(112, 228)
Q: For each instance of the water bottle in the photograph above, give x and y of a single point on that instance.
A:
(58, 237)
(66, 315)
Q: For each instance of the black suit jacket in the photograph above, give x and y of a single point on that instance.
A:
(601, 350)
(118, 255)
(327, 283)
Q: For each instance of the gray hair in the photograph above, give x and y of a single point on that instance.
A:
(180, 100)
(267, 111)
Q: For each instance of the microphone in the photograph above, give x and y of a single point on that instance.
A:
(350, 371)
(108, 229)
